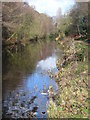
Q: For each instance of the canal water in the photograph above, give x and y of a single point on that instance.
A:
(27, 80)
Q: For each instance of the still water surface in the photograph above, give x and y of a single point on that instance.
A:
(26, 80)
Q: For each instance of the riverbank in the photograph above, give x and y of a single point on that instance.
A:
(72, 79)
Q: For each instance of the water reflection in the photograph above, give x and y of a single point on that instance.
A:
(26, 82)
(47, 64)
(40, 81)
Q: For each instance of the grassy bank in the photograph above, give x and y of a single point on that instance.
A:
(72, 79)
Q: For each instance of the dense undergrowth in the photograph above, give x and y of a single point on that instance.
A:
(72, 78)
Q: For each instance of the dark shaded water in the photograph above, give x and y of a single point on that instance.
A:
(26, 81)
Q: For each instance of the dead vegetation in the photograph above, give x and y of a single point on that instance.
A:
(72, 78)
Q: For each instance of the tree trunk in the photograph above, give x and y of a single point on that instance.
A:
(78, 30)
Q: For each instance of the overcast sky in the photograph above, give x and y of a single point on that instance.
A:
(51, 7)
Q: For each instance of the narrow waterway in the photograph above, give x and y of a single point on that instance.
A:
(27, 80)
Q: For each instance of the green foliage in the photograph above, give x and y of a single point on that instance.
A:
(75, 22)
(27, 23)
(82, 25)
(52, 36)
(63, 24)
(81, 51)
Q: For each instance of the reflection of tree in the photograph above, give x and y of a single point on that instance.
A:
(11, 80)
(46, 50)
(23, 63)
(17, 66)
